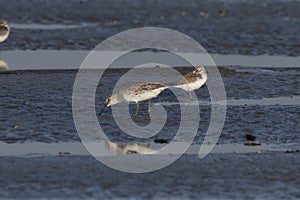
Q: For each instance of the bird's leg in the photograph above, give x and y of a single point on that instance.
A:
(149, 106)
(103, 109)
(191, 97)
(137, 108)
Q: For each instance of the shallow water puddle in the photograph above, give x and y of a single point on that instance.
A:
(66, 59)
(110, 149)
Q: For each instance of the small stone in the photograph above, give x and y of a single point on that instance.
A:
(224, 135)
(250, 137)
(293, 151)
(259, 152)
(161, 141)
(64, 153)
(131, 152)
(16, 126)
(203, 14)
(222, 13)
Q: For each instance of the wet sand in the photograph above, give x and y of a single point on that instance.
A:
(36, 105)
(37, 99)
(225, 27)
(266, 175)
(230, 176)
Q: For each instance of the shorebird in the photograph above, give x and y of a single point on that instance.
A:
(192, 80)
(4, 30)
(135, 92)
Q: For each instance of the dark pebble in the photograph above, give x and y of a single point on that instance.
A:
(293, 151)
(64, 153)
(131, 152)
(250, 137)
(161, 141)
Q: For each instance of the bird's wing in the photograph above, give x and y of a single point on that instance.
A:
(3, 30)
(144, 87)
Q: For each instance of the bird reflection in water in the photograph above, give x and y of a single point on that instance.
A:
(123, 149)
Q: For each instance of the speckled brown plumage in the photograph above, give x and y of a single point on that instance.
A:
(189, 77)
(4, 30)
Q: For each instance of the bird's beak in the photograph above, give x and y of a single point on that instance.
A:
(103, 109)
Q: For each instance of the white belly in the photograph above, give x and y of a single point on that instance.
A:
(191, 86)
(3, 37)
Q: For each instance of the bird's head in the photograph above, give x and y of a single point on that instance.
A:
(107, 104)
(3, 22)
(108, 101)
(111, 100)
(201, 70)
